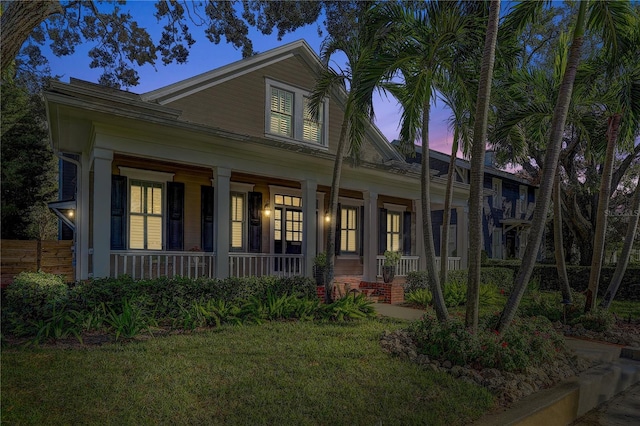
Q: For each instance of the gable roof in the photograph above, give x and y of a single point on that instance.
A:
(299, 48)
(233, 70)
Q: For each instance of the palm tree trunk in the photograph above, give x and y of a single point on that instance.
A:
(333, 206)
(601, 213)
(477, 166)
(427, 231)
(558, 243)
(623, 261)
(548, 173)
(446, 214)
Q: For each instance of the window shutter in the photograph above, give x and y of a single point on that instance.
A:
(255, 222)
(382, 231)
(206, 205)
(406, 234)
(118, 212)
(175, 216)
(338, 230)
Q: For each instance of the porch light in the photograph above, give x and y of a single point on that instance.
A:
(267, 210)
(70, 213)
(327, 216)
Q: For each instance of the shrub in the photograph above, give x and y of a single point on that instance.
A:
(527, 342)
(596, 320)
(501, 277)
(348, 308)
(128, 320)
(455, 293)
(549, 304)
(31, 298)
(421, 296)
(416, 280)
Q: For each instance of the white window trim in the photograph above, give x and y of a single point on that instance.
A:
(241, 187)
(353, 202)
(395, 207)
(298, 119)
(146, 175)
(152, 176)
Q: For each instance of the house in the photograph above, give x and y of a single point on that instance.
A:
(226, 174)
(508, 205)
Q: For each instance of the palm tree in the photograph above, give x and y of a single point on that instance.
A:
(623, 128)
(422, 49)
(457, 98)
(358, 112)
(477, 166)
(607, 17)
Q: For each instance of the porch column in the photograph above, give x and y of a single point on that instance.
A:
(309, 224)
(82, 218)
(463, 236)
(370, 243)
(102, 159)
(422, 263)
(222, 179)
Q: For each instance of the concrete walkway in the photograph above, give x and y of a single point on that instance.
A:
(607, 394)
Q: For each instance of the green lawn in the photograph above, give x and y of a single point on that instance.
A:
(287, 373)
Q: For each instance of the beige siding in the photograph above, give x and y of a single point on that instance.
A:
(238, 105)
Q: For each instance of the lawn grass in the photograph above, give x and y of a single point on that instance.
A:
(287, 373)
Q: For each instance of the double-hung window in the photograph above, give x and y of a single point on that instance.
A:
(238, 221)
(145, 215)
(349, 230)
(288, 115)
(394, 231)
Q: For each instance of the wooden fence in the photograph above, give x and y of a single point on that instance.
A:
(54, 257)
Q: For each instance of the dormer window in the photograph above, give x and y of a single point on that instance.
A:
(288, 115)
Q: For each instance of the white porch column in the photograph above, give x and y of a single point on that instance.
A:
(417, 207)
(82, 218)
(463, 236)
(309, 224)
(370, 243)
(102, 159)
(222, 181)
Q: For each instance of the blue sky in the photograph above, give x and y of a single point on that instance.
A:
(205, 56)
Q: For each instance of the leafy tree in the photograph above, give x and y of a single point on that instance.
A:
(120, 44)
(28, 167)
(608, 18)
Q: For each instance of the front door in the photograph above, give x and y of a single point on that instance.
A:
(287, 233)
(288, 230)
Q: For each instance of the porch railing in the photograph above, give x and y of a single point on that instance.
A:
(147, 264)
(259, 264)
(407, 264)
(453, 263)
(412, 263)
